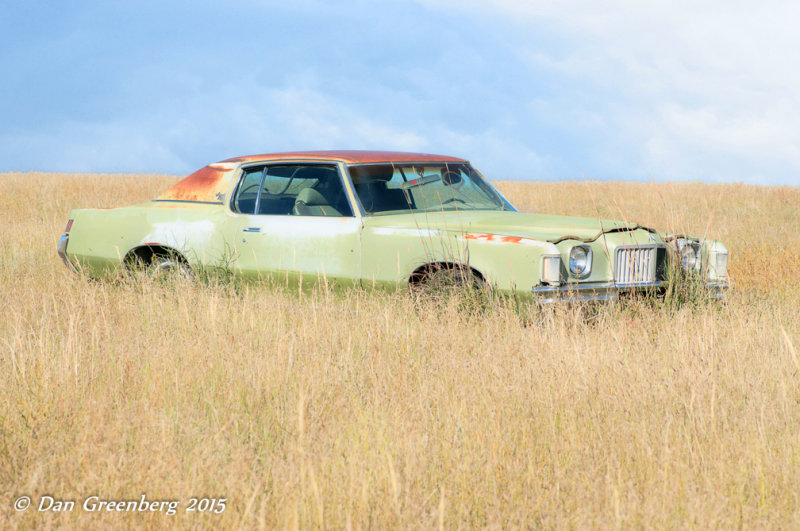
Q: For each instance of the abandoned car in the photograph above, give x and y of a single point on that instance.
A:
(382, 219)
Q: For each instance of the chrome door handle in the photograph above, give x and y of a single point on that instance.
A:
(251, 229)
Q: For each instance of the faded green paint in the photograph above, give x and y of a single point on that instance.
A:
(506, 248)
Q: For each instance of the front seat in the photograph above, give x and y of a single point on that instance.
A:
(310, 202)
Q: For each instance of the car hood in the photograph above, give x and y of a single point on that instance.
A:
(534, 226)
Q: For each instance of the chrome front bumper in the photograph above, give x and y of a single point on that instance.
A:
(608, 291)
(62, 252)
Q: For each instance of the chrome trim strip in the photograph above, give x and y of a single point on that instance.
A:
(630, 285)
(606, 291)
(718, 288)
(580, 298)
(593, 287)
(350, 191)
(186, 201)
(62, 252)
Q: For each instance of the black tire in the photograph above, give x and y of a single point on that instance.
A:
(159, 267)
(452, 287)
(169, 266)
(449, 280)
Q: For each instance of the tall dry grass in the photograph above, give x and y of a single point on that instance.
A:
(370, 411)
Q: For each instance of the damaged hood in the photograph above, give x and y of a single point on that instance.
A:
(534, 226)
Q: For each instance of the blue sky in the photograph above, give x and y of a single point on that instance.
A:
(673, 90)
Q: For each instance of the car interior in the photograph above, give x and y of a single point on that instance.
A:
(291, 189)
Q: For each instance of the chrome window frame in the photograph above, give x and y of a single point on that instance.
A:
(283, 162)
(364, 213)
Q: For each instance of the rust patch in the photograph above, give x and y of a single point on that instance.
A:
(210, 184)
(495, 238)
(487, 237)
(207, 184)
(350, 156)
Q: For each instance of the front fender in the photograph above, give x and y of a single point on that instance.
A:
(509, 263)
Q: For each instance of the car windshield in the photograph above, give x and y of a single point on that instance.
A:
(394, 188)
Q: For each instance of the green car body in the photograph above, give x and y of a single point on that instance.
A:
(382, 219)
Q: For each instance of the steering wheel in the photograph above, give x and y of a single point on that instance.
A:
(248, 188)
(243, 191)
(283, 191)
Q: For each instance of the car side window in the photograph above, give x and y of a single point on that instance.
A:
(246, 195)
(293, 190)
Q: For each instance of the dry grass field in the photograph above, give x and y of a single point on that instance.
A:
(369, 411)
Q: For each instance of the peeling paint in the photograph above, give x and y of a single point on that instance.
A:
(175, 233)
(496, 238)
(211, 183)
(207, 184)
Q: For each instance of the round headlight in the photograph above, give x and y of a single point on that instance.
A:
(689, 257)
(580, 260)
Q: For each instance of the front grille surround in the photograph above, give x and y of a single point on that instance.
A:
(637, 265)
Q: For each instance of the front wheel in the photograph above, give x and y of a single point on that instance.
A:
(449, 281)
(453, 285)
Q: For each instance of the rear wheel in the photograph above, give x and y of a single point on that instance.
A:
(169, 266)
(159, 266)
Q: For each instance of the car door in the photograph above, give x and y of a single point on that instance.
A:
(294, 222)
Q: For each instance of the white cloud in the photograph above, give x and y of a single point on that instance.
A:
(713, 78)
(311, 117)
(108, 147)
(529, 89)
(301, 118)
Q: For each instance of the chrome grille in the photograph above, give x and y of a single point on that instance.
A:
(635, 264)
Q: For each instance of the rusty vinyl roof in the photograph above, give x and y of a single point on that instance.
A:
(209, 184)
(350, 156)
